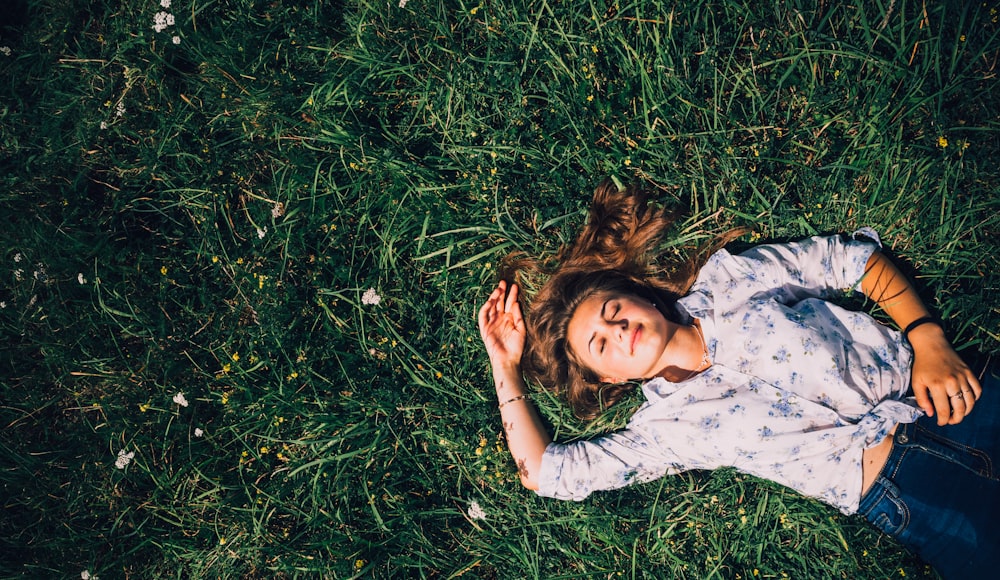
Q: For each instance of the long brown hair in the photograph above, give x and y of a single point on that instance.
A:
(620, 250)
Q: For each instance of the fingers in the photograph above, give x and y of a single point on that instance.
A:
(952, 399)
(499, 301)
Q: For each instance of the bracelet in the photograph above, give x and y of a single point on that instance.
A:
(918, 322)
(515, 399)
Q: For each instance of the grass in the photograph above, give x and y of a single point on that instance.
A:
(205, 218)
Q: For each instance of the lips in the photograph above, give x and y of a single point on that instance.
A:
(635, 338)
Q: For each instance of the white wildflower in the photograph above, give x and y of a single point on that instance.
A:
(371, 297)
(176, 40)
(3, 305)
(80, 278)
(278, 210)
(261, 233)
(165, 3)
(17, 257)
(402, 3)
(124, 459)
(85, 575)
(104, 125)
(198, 432)
(120, 109)
(6, 50)
(475, 511)
(180, 400)
(162, 20)
(19, 274)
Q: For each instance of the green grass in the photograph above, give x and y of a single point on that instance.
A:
(216, 239)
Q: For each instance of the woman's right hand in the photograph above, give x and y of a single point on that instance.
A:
(502, 327)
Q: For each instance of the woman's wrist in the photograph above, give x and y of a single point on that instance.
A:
(917, 323)
(924, 333)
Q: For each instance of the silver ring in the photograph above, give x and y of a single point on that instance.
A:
(962, 394)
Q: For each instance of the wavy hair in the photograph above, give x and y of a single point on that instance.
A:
(619, 251)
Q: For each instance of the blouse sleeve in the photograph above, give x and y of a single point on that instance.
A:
(820, 266)
(575, 470)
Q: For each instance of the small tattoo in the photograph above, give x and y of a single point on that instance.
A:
(508, 427)
(522, 468)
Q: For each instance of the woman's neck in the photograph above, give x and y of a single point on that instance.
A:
(686, 354)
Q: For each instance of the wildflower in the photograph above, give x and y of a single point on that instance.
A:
(86, 575)
(162, 20)
(3, 305)
(180, 400)
(120, 109)
(104, 125)
(261, 233)
(165, 3)
(143, 407)
(124, 458)
(198, 432)
(222, 541)
(80, 278)
(371, 297)
(278, 210)
(18, 274)
(942, 142)
(402, 3)
(176, 40)
(17, 257)
(5, 50)
(163, 270)
(475, 511)
(359, 563)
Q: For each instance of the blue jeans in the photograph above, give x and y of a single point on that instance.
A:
(939, 492)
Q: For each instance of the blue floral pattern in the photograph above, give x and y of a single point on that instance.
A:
(799, 386)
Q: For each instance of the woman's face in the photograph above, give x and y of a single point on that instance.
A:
(619, 337)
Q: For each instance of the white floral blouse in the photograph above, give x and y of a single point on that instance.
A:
(798, 388)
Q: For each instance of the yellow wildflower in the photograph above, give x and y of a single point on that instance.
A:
(942, 142)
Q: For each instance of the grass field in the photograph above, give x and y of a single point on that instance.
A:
(243, 246)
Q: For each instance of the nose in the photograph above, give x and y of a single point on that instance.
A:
(617, 329)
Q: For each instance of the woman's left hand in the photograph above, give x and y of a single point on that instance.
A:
(941, 380)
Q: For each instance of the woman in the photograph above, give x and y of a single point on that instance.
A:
(747, 364)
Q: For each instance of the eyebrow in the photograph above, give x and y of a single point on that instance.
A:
(593, 336)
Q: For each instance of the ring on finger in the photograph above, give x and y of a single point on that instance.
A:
(958, 395)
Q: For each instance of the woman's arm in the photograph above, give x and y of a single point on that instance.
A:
(941, 380)
(503, 332)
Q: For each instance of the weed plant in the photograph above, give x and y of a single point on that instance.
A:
(243, 248)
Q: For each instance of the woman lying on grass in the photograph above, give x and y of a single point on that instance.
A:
(745, 363)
